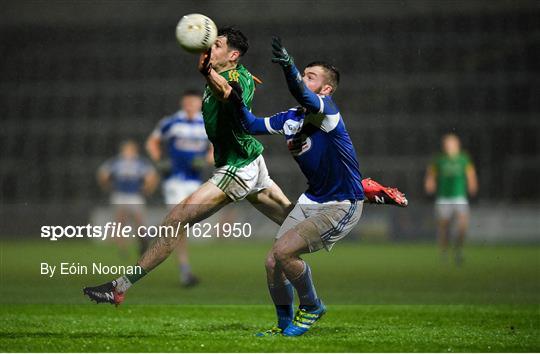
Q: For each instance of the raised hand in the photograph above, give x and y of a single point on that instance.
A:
(204, 63)
(280, 54)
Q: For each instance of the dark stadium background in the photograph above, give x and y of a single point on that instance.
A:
(79, 77)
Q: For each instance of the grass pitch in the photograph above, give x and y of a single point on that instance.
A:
(379, 298)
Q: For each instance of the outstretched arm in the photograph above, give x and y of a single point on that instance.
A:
(263, 126)
(305, 97)
(250, 122)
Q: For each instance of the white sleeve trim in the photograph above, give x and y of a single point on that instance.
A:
(321, 108)
(330, 122)
(269, 126)
(325, 122)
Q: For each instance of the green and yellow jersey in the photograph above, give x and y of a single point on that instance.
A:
(451, 175)
(232, 145)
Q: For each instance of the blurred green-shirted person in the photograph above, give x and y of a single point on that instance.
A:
(451, 176)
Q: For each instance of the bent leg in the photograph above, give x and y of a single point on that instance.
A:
(286, 252)
(272, 202)
(274, 273)
(281, 291)
(201, 204)
(280, 288)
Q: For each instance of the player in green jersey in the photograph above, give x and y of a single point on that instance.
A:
(451, 176)
(236, 148)
(240, 173)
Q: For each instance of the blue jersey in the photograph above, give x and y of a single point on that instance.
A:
(127, 175)
(318, 140)
(186, 140)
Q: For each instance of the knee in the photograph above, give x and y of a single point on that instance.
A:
(270, 262)
(280, 254)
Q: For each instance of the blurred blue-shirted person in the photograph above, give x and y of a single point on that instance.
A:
(128, 177)
(182, 137)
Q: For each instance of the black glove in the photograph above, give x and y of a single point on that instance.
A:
(204, 63)
(280, 54)
(235, 97)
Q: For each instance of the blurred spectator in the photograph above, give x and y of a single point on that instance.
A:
(128, 177)
(183, 137)
(451, 176)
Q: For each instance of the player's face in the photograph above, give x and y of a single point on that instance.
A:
(129, 151)
(315, 79)
(222, 56)
(191, 105)
(451, 145)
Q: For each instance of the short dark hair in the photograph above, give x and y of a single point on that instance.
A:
(235, 39)
(192, 92)
(331, 71)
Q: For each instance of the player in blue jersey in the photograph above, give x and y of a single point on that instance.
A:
(237, 178)
(183, 137)
(128, 177)
(331, 206)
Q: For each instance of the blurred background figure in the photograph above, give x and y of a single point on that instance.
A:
(187, 151)
(129, 178)
(451, 176)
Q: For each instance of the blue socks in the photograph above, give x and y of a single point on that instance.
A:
(306, 290)
(283, 297)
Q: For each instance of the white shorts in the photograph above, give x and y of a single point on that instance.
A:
(238, 183)
(446, 208)
(176, 189)
(128, 201)
(321, 225)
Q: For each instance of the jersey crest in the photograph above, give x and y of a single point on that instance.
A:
(234, 75)
(299, 144)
